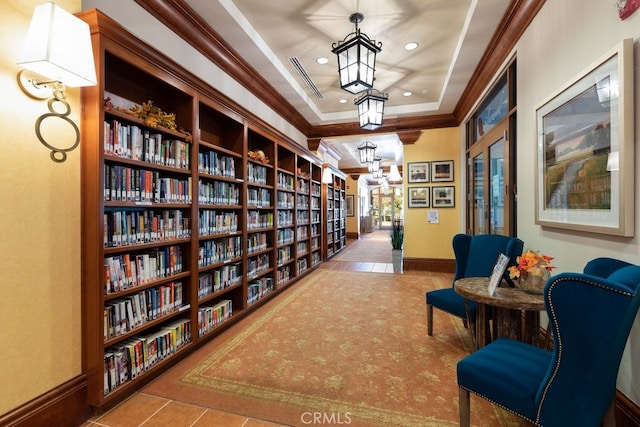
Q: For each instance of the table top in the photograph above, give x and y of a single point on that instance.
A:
(477, 289)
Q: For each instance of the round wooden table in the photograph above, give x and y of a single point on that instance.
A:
(514, 313)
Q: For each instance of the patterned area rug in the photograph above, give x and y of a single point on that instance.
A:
(337, 348)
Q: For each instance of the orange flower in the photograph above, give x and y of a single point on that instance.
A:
(531, 262)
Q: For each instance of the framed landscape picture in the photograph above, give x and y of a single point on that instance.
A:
(418, 197)
(418, 172)
(350, 199)
(443, 197)
(584, 174)
(442, 171)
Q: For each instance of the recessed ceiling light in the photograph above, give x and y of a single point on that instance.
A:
(342, 101)
(322, 60)
(407, 93)
(410, 46)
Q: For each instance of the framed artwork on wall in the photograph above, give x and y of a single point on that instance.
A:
(584, 174)
(350, 200)
(443, 197)
(418, 197)
(442, 171)
(418, 172)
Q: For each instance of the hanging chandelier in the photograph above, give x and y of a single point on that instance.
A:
(371, 108)
(356, 58)
(375, 165)
(367, 152)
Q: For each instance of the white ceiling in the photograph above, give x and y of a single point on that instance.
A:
(452, 36)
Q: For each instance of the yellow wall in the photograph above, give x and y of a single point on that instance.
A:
(424, 240)
(353, 222)
(39, 231)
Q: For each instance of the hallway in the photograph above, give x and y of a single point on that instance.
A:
(370, 253)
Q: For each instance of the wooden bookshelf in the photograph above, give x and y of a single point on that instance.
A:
(186, 229)
(334, 225)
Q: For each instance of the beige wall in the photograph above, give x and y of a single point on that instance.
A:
(424, 240)
(566, 37)
(39, 231)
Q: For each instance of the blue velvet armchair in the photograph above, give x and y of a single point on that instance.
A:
(475, 257)
(590, 317)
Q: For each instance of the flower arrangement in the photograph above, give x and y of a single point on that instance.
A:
(531, 263)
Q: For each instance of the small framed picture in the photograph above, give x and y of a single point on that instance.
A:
(418, 172)
(443, 197)
(418, 197)
(350, 200)
(442, 171)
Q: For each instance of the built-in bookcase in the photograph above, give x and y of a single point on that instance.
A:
(335, 221)
(185, 228)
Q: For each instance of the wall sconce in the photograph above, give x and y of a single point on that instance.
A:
(327, 176)
(57, 52)
(371, 109)
(394, 174)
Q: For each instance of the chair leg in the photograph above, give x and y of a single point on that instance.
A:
(609, 419)
(429, 320)
(465, 407)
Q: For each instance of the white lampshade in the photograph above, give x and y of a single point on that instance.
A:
(327, 177)
(394, 173)
(58, 46)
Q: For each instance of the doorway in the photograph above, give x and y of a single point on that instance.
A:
(386, 204)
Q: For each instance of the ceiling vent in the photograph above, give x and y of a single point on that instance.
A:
(303, 74)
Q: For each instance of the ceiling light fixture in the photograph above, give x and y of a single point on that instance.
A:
(371, 108)
(367, 151)
(375, 165)
(410, 46)
(356, 58)
(322, 60)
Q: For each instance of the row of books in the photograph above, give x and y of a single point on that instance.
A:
(218, 193)
(285, 200)
(219, 279)
(258, 197)
(285, 218)
(283, 275)
(315, 258)
(257, 265)
(257, 174)
(216, 222)
(123, 315)
(136, 226)
(302, 186)
(302, 248)
(213, 163)
(302, 232)
(219, 250)
(301, 265)
(259, 219)
(257, 242)
(125, 184)
(133, 357)
(259, 288)
(316, 189)
(284, 255)
(129, 270)
(285, 236)
(210, 317)
(132, 142)
(286, 181)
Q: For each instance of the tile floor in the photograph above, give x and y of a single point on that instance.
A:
(147, 410)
